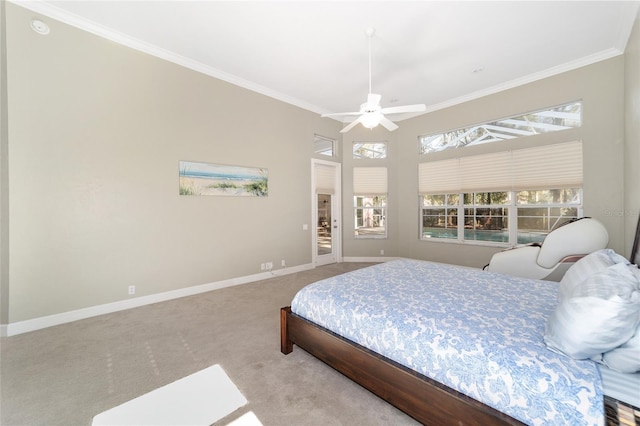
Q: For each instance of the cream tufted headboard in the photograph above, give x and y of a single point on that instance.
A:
(635, 251)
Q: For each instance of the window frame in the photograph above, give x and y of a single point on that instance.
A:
(504, 129)
(359, 158)
(370, 182)
(446, 207)
(332, 142)
(474, 206)
(384, 208)
(512, 217)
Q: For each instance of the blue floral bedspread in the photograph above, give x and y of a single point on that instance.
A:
(477, 332)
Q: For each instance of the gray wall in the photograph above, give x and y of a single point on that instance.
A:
(601, 89)
(632, 136)
(95, 134)
(4, 173)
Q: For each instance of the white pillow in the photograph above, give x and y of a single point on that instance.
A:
(625, 358)
(586, 267)
(597, 315)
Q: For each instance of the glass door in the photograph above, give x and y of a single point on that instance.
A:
(324, 240)
(326, 212)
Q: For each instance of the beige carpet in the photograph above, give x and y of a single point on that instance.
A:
(66, 375)
(199, 399)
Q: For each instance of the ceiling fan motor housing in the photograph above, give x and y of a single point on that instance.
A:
(366, 108)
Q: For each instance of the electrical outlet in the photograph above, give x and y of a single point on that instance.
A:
(132, 289)
(283, 263)
(381, 251)
(269, 266)
(263, 266)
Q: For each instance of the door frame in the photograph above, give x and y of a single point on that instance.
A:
(336, 215)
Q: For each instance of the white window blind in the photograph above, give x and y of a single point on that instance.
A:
(550, 166)
(489, 171)
(325, 179)
(369, 180)
(439, 177)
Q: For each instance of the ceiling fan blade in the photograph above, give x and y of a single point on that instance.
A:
(373, 100)
(405, 108)
(388, 124)
(351, 125)
(337, 114)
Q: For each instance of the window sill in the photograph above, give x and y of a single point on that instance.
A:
(466, 242)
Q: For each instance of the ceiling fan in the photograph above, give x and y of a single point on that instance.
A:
(371, 113)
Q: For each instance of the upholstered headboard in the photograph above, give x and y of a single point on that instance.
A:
(635, 251)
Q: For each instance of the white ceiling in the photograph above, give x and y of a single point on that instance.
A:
(314, 54)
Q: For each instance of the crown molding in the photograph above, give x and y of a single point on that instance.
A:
(530, 78)
(51, 11)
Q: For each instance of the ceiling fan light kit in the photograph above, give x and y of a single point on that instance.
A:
(371, 114)
(371, 119)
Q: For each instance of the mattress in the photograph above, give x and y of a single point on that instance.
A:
(478, 332)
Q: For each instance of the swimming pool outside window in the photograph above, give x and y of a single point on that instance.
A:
(486, 216)
(507, 218)
(440, 216)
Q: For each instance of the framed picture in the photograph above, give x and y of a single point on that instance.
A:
(216, 179)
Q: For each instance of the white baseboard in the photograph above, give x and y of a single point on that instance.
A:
(369, 259)
(26, 326)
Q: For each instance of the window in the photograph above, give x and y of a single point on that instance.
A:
(370, 216)
(440, 216)
(323, 146)
(374, 150)
(486, 216)
(511, 197)
(370, 202)
(550, 120)
(541, 211)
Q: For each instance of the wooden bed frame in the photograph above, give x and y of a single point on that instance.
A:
(424, 399)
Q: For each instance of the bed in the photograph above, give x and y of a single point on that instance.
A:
(472, 351)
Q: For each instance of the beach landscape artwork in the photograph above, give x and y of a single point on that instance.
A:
(215, 179)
